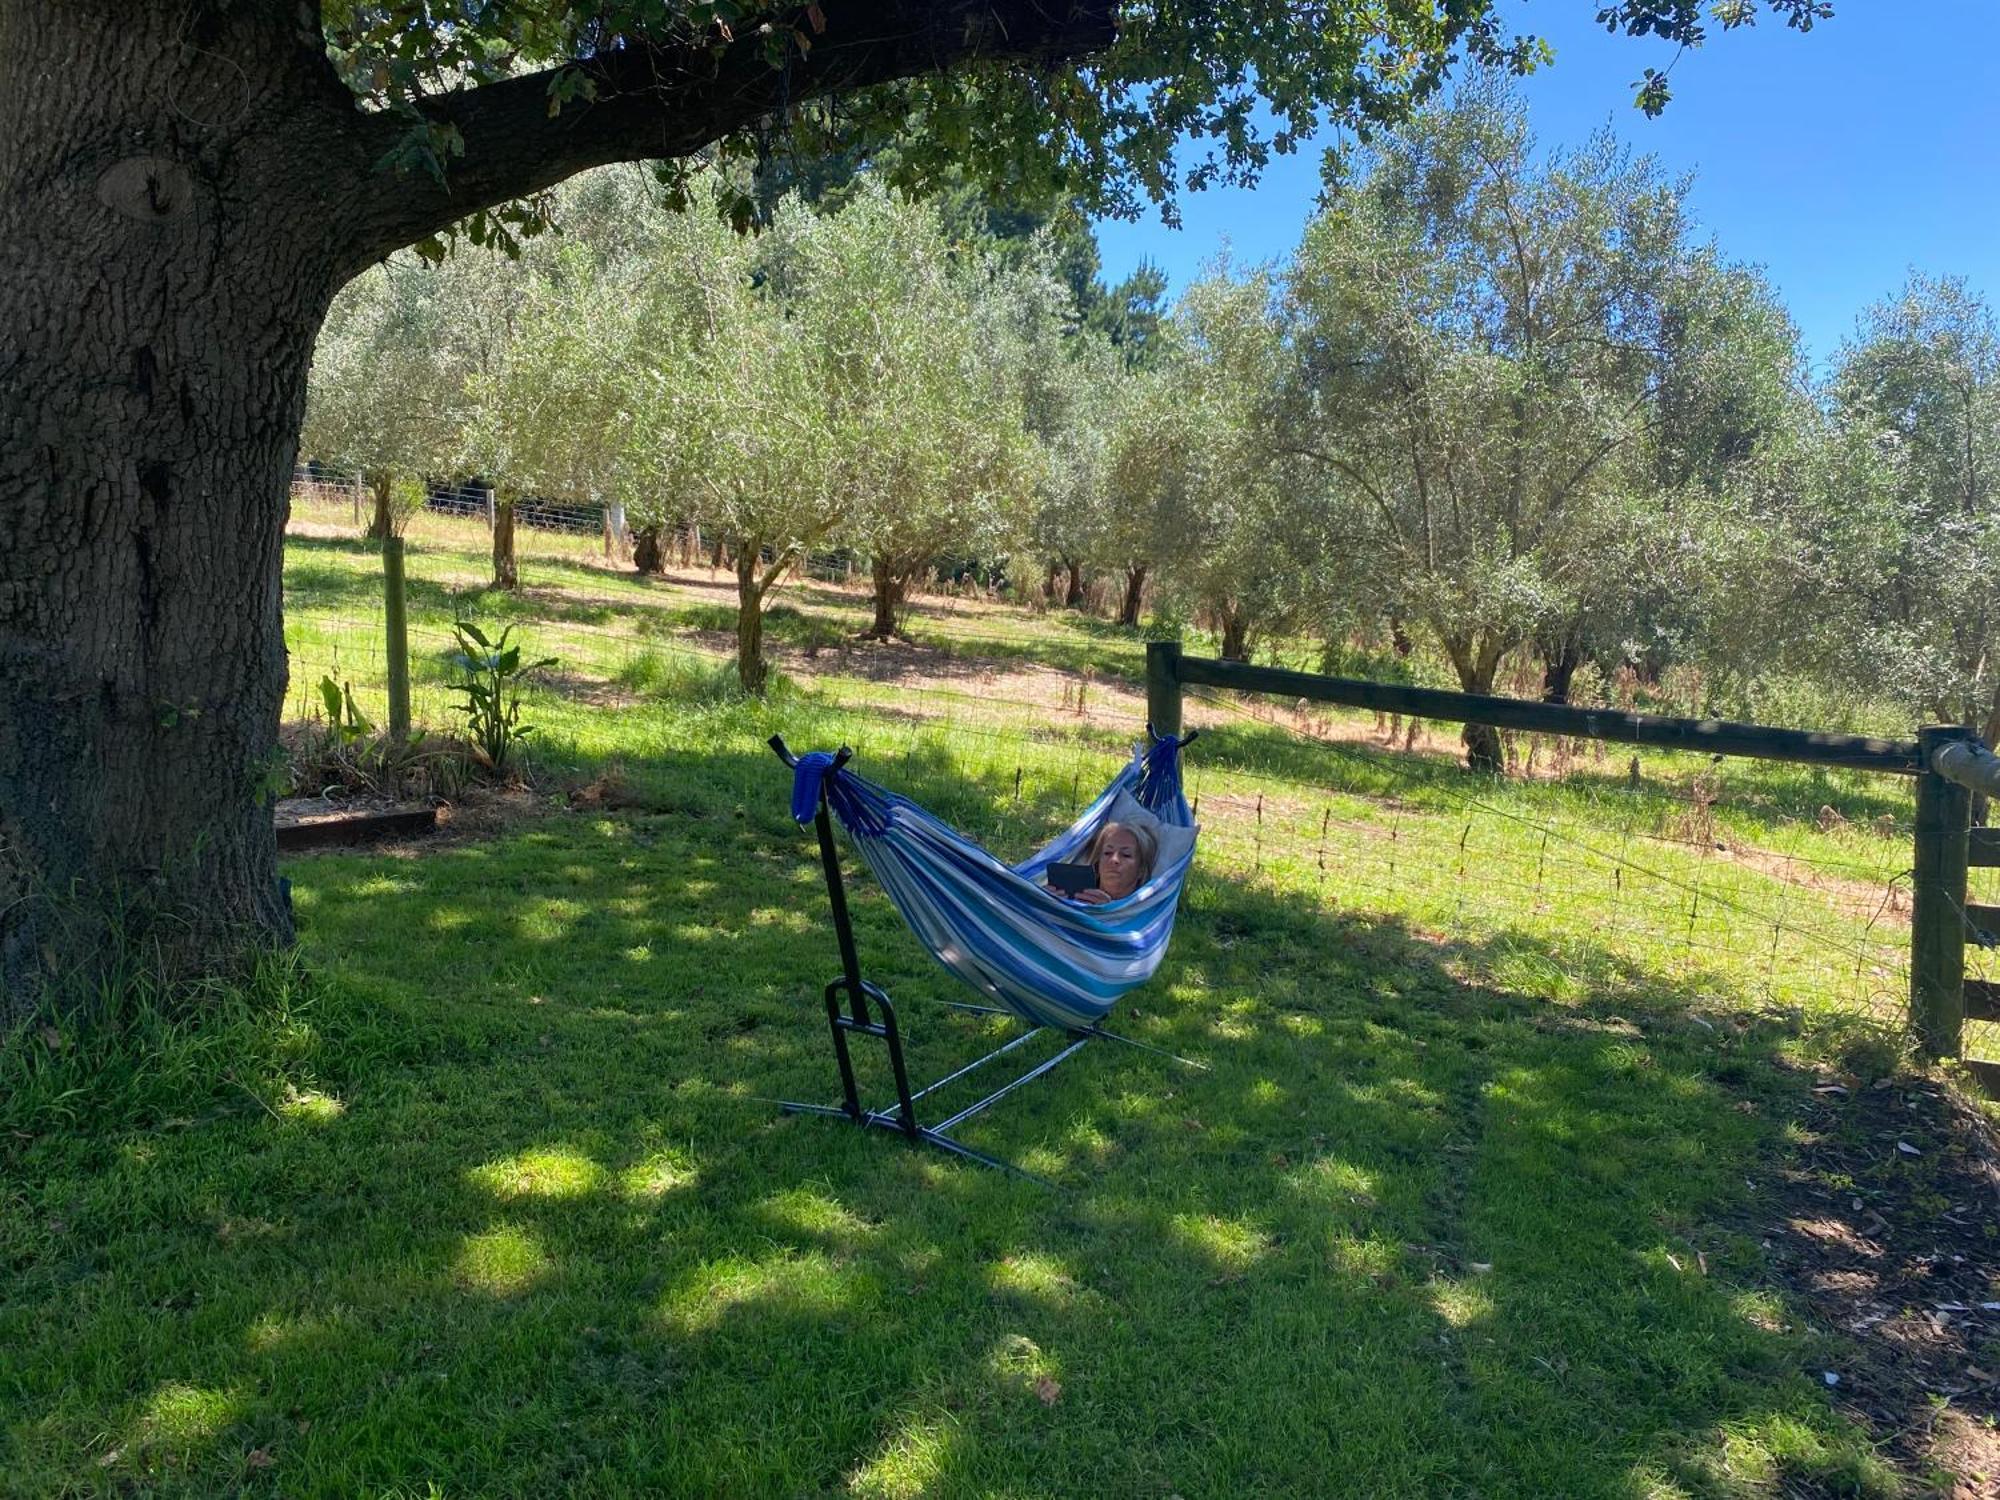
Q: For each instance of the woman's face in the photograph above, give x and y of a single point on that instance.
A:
(1118, 864)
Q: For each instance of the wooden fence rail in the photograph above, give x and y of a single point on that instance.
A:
(1167, 671)
(1947, 763)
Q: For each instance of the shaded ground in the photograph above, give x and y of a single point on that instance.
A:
(1881, 1226)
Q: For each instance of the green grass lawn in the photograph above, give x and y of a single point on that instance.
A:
(493, 1199)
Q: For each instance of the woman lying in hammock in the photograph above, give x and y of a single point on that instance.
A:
(1123, 855)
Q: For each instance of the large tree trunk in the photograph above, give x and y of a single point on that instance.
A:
(158, 303)
(1135, 592)
(890, 588)
(506, 569)
(751, 668)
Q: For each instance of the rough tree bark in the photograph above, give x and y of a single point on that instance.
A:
(647, 554)
(1073, 594)
(184, 184)
(1476, 658)
(506, 569)
(1135, 593)
(382, 519)
(1235, 625)
(891, 588)
(1559, 670)
(751, 668)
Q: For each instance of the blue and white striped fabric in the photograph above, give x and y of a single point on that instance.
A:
(1050, 961)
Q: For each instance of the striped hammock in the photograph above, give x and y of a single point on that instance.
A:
(1050, 961)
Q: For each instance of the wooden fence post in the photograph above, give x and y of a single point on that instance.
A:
(1937, 905)
(354, 494)
(396, 628)
(1163, 686)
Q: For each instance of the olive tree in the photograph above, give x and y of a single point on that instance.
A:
(1490, 346)
(1918, 388)
(387, 394)
(733, 412)
(1239, 537)
(924, 441)
(550, 412)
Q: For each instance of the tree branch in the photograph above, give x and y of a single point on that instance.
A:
(656, 102)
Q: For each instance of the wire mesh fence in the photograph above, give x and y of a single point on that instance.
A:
(1613, 877)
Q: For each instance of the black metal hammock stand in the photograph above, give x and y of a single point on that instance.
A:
(1059, 985)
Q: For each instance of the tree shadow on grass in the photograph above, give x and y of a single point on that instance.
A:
(527, 1220)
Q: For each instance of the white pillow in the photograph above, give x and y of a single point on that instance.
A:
(1173, 841)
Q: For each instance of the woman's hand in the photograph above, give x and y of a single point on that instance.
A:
(1093, 897)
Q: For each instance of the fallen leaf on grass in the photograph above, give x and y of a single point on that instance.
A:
(1907, 1149)
(258, 1458)
(1048, 1389)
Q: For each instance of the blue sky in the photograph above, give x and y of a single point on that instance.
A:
(1838, 160)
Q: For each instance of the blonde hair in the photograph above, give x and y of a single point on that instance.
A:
(1142, 838)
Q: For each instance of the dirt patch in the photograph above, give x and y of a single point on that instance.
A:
(1871, 901)
(937, 684)
(1884, 1230)
(595, 692)
(325, 531)
(480, 813)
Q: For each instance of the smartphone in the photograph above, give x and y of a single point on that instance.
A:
(1070, 879)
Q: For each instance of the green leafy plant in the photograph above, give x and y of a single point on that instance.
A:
(493, 670)
(343, 717)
